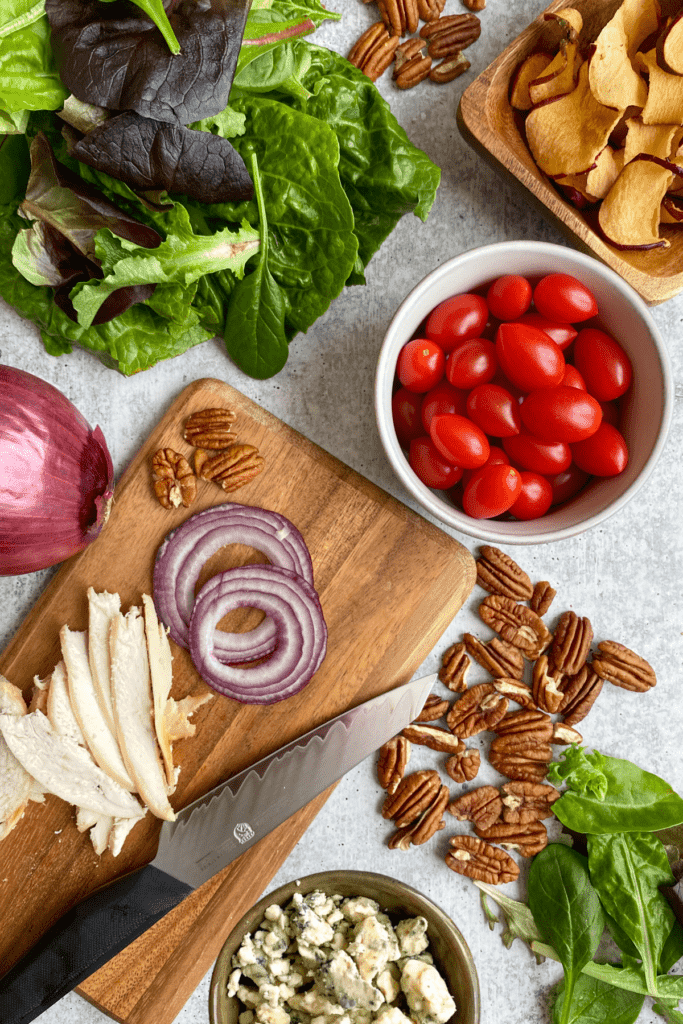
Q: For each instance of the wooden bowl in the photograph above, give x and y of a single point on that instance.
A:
(490, 125)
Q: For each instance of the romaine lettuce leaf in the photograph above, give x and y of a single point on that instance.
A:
(28, 78)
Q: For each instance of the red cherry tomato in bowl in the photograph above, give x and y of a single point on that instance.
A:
(497, 457)
(528, 357)
(602, 362)
(459, 440)
(405, 407)
(564, 298)
(427, 462)
(546, 457)
(471, 363)
(562, 334)
(573, 379)
(604, 453)
(491, 491)
(561, 414)
(420, 365)
(566, 484)
(457, 319)
(494, 409)
(509, 297)
(610, 413)
(442, 398)
(535, 497)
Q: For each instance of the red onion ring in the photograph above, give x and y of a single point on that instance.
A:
(181, 557)
(293, 606)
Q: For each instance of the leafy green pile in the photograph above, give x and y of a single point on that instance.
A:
(615, 809)
(333, 173)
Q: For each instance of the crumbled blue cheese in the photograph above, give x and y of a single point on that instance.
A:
(334, 960)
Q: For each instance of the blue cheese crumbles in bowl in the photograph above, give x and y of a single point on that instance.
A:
(345, 947)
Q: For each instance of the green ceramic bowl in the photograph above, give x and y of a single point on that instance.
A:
(451, 953)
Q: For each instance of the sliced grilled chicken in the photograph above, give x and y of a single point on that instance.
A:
(101, 610)
(17, 786)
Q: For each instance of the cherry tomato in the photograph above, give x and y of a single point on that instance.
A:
(471, 363)
(457, 319)
(535, 497)
(566, 484)
(604, 453)
(564, 298)
(406, 406)
(528, 357)
(546, 457)
(491, 491)
(497, 457)
(494, 409)
(562, 334)
(603, 363)
(430, 466)
(572, 378)
(420, 365)
(561, 414)
(459, 440)
(509, 297)
(610, 413)
(442, 398)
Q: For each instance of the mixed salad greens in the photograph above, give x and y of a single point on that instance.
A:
(252, 214)
(619, 818)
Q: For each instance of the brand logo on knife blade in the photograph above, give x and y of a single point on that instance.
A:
(243, 832)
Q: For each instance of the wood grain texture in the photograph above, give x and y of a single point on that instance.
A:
(389, 582)
(490, 125)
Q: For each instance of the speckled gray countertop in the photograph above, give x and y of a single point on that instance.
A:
(624, 575)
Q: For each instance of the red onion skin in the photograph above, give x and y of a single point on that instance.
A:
(56, 475)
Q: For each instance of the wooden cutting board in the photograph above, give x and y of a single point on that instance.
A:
(389, 582)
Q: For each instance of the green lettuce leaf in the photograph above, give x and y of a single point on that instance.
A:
(28, 78)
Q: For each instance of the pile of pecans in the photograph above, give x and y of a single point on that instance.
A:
(566, 677)
(217, 458)
(440, 39)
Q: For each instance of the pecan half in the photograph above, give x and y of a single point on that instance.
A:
(542, 597)
(478, 860)
(429, 10)
(565, 734)
(174, 482)
(399, 16)
(434, 708)
(580, 694)
(374, 51)
(623, 667)
(521, 757)
(231, 469)
(483, 806)
(524, 802)
(413, 72)
(528, 839)
(478, 709)
(464, 766)
(429, 822)
(391, 765)
(433, 737)
(517, 624)
(414, 795)
(496, 571)
(571, 644)
(474, 5)
(210, 428)
(545, 688)
(500, 658)
(449, 69)
(447, 36)
(454, 668)
(530, 722)
(516, 690)
(406, 51)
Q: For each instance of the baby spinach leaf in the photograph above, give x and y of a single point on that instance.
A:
(627, 870)
(567, 911)
(267, 30)
(155, 10)
(629, 800)
(312, 9)
(597, 1002)
(255, 326)
(632, 979)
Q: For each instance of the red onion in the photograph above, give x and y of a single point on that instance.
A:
(56, 475)
(183, 554)
(292, 604)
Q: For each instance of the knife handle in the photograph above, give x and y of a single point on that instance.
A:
(84, 939)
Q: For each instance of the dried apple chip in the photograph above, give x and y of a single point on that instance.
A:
(566, 134)
(528, 70)
(614, 81)
(630, 212)
(671, 45)
(600, 178)
(664, 95)
(671, 211)
(559, 77)
(655, 139)
(569, 21)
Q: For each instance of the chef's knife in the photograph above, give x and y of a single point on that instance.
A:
(205, 837)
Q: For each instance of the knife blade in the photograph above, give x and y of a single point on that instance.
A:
(205, 837)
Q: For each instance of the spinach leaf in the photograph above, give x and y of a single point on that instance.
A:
(28, 78)
(627, 869)
(312, 9)
(267, 30)
(632, 979)
(597, 1002)
(255, 326)
(629, 799)
(567, 911)
(155, 10)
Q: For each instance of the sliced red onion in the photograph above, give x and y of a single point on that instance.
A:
(56, 475)
(183, 554)
(293, 606)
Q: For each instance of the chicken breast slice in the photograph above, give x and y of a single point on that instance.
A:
(17, 786)
(102, 608)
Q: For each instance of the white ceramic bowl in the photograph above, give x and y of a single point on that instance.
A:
(646, 409)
